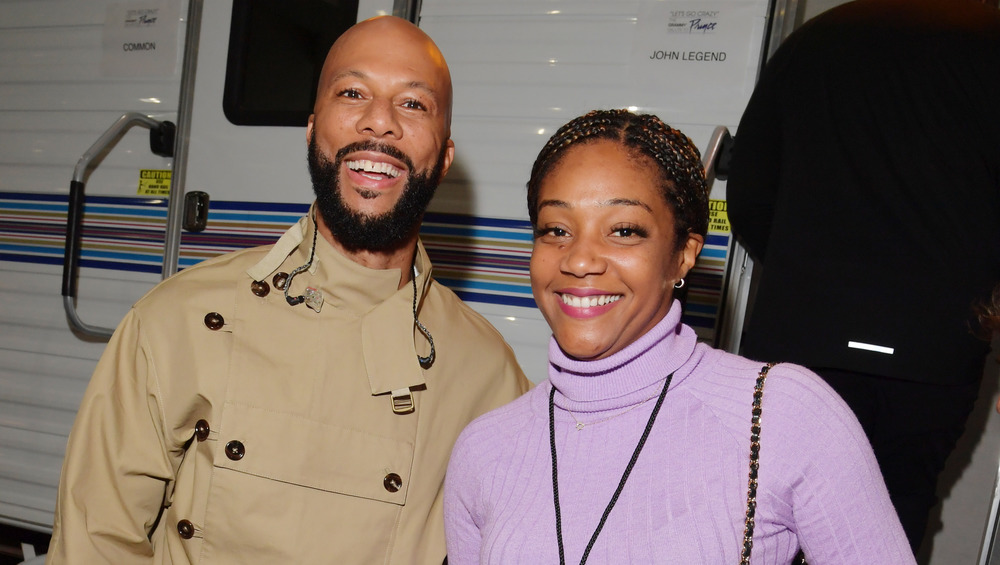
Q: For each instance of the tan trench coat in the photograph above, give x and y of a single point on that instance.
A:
(224, 426)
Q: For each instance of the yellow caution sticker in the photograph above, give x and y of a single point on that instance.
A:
(718, 218)
(154, 182)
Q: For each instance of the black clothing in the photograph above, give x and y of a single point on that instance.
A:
(865, 180)
(913, 427)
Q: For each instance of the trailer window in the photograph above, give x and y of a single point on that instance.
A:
(276, 52)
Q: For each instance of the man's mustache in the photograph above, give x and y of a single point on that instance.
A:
(375, 146)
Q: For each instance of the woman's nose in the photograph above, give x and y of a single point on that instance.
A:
(583, 257)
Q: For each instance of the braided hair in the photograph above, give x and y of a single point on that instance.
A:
(988, 312)
(683, 177)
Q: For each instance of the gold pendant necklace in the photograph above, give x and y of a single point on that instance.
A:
(580, 425)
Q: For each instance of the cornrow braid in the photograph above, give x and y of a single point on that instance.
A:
(683, 187)
(988, 313)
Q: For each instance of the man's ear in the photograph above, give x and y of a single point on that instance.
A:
(449, 155)
(309, 128)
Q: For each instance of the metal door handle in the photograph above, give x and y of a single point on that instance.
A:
(715, 161)
(161, 142)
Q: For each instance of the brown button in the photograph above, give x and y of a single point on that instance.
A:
(186, 529)
(260, 288)
(279, 280)
(392, 482)
(201, 430)
(214, 320)
(235, 450)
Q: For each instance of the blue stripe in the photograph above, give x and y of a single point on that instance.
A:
(243, 216)
(33, 249)
(715, 253)
(462, 257)
(120, 256)
(702, 308)
(126, 201)
(147, 212)
(283, 207)
(298, 209)
(501, 299)
(698, 321)
(115, 266)
(183, 262)
(20, 206)
(720, 240)
(480, 285)
(475, 232)
(42, 260)
(461, 219)
(33, 196)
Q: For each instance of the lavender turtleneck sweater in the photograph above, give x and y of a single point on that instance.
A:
(685, 500)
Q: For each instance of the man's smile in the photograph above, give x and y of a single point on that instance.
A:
(373, 169)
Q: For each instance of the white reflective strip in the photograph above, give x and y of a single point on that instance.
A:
(870, 347)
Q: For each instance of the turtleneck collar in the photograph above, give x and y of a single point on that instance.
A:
(629, 376)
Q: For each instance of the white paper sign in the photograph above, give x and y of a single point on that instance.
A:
(140, 39)
(699, 56)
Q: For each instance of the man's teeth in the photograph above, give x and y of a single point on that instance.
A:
(373, 167)
(589, 301)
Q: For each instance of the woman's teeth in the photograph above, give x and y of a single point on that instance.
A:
(588, 301)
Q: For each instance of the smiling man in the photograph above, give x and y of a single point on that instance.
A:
(297, 403)
(379, 141)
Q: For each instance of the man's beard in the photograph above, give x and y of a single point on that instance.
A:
(356, 231)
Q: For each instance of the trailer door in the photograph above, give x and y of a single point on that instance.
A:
(69, 71)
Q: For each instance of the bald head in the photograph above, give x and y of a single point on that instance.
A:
(390, 39)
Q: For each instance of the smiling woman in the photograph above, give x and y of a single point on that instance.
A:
(606, 255)
(586, 465)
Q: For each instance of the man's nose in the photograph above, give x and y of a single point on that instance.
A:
(380, 120)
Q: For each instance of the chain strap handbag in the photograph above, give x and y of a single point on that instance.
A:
(758, 394)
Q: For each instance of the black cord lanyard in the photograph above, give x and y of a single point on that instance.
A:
(621, 484)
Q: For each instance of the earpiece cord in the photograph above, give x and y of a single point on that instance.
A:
(425, 362)
(293, 300)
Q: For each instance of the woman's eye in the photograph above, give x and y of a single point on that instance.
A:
(552, 232)
(629, 231)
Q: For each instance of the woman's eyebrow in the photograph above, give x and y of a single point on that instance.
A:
(626, 202)
(610, 202)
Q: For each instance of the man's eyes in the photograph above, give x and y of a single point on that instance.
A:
(349, 93)
(414, 104)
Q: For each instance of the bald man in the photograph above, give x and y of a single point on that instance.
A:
(297, 403)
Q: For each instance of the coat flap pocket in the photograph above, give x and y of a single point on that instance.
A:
(292, 449)
(391, 323)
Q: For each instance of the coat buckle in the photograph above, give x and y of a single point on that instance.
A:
(402, 401)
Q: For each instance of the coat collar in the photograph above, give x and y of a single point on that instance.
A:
(389, 339)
